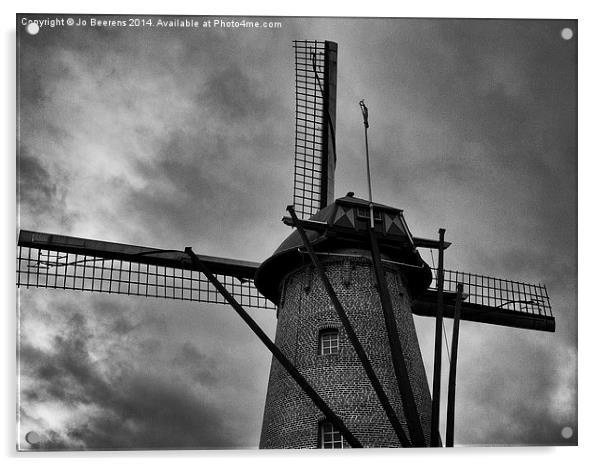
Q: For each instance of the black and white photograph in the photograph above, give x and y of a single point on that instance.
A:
(269, 232)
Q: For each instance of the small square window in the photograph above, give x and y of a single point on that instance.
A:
(329, 341)
(330, 437)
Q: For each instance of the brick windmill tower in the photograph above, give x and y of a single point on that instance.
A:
(347, 368)
(310, 332)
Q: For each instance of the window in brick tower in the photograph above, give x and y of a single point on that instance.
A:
(329, 341)
(330, 437)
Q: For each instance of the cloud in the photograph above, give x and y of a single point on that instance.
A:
(196, 364)
(158, 138)
(115, 402)
(236, 96)
(37, 189)
(533, 387)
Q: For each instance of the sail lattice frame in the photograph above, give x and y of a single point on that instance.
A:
(64, 262)
(497, 293)
(490, 300)
(315, 109)
(43, 268)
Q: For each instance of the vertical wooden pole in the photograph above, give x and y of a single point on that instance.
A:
(451, 392)
(399, 366)
(435, 440)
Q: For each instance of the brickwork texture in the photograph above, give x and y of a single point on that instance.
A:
(291, 420)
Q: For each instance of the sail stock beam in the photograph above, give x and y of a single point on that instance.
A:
(64, 262)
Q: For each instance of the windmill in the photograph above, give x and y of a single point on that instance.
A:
(348, 231)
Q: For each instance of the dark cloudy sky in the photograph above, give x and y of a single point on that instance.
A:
(184, 137)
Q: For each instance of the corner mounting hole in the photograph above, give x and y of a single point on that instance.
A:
(32, 28)
(566, 33)
(32, 437)
(566, 432)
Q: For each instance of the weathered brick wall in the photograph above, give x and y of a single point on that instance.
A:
(290, 418)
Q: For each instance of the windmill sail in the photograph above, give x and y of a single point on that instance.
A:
(69, 263)
(315, 123)
(65, 262)
(491, 301)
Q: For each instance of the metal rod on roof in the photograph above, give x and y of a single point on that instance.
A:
(366, 125)
(279, 355)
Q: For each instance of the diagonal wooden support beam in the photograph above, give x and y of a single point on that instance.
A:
(279, 355)
(399, 365)
(363, 357)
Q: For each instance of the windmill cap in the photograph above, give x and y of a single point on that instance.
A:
(345, 226)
